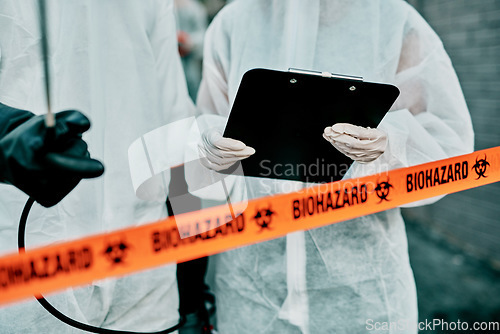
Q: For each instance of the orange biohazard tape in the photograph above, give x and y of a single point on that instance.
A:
(121, 252)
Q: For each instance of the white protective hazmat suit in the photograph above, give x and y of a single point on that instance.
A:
(340, 278)
(117, 62)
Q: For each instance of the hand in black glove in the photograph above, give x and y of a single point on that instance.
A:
(45, 163)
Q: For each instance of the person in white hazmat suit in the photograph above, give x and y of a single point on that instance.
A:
(354, 276)
(117, 62)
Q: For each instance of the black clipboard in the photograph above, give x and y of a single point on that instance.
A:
(283, 115)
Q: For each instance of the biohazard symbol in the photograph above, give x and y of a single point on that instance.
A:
(383, 189)
(263, 218)
(116, 252)
(480, 167)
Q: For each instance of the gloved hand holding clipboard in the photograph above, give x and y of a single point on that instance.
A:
(283, 115)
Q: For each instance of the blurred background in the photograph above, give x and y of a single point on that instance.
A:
(455, 243)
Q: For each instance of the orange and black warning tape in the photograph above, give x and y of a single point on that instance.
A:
(121, 252)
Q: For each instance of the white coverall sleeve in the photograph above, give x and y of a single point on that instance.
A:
(430, 119)
(152, 155)
(168, 63)
(213, 104)
(213, 93)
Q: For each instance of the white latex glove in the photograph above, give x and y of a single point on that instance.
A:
(358, 143)
(219, 153)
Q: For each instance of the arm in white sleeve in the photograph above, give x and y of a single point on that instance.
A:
(431, 120)
(153, 154)
(213, 92)
(213, 103)
(169, 72)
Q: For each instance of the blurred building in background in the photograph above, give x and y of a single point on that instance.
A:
(470, 31)
(455, 243)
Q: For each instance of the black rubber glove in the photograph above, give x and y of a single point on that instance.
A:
(44, 163)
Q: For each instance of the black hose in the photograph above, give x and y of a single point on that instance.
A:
(52, 310)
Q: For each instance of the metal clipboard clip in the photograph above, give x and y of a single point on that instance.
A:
(325, 74)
